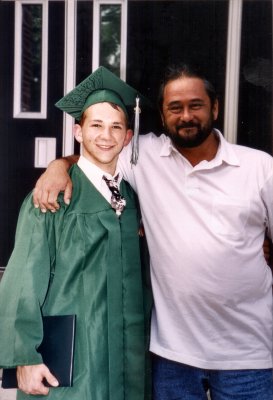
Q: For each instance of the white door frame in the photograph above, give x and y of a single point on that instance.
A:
(233, 70)
(69, 71)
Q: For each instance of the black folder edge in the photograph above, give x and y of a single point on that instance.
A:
(9, 379)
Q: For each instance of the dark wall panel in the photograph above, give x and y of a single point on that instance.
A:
(17, 172)
(255, 119)
(164, 32)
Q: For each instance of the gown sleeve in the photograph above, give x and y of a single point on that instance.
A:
(24, 286)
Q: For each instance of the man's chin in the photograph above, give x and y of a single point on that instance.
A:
(187, 139)
(186, 144)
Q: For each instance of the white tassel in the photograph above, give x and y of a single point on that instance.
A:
(135, 147)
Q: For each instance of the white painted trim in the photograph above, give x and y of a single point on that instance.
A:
(17, 112)
(17, 59)
(233, 70)
(69, 71)
(123, 36)
(96, 35)
(45, 151)
(123, 41)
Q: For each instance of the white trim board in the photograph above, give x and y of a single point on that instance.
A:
(17, 112)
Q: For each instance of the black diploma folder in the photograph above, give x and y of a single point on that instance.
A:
(57, 350)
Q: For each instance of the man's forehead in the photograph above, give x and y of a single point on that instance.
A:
(185, 87)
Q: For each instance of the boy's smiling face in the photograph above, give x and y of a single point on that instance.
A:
(103, 134)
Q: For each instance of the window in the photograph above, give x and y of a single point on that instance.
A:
(255, 114)
(30, 59)
(110, 35)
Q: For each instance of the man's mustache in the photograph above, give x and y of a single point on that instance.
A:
(185, 125)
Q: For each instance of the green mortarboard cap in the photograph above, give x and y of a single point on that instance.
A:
(101, 86)
(104, 86)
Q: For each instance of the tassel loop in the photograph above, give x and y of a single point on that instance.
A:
(135, 145)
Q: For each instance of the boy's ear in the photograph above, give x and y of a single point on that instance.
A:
(128, 137)
(77, 132)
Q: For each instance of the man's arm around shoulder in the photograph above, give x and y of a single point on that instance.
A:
(54, 180)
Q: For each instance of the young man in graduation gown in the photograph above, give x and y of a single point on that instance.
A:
(83, 260)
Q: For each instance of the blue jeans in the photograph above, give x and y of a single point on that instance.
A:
(175, 381)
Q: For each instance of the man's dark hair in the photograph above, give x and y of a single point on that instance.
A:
(183, 70)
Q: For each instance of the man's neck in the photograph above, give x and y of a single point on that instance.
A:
(206, 151)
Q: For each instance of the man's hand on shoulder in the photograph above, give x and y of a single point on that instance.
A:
(53, 181)
(30, 379)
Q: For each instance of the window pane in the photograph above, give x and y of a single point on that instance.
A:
(84, 39)
(31, 58)
(110, 36)
(255, 101)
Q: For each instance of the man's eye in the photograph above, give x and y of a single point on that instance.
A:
(175, 109)
(196, 106)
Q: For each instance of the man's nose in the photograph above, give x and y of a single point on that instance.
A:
(186, 114)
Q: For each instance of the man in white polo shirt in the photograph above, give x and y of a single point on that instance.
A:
(206, 205)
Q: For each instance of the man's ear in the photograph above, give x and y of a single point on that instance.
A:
(77, 132)
(215, 110)
(128, 137)
(162, 119)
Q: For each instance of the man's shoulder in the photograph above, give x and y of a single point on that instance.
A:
(255, 159)
(151, 144)
(251, 152)
(151, 137)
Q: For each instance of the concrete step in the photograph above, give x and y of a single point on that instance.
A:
(7, 394)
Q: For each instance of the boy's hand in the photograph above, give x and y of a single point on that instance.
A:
(30, 379)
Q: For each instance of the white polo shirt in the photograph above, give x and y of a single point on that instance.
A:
(205, 229)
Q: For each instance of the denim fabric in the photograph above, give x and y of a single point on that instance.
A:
(175, 381)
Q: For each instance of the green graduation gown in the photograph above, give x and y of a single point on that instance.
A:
(82, 260)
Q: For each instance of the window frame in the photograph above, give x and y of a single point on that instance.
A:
(123, 34)
(17, 111)
(233, 70)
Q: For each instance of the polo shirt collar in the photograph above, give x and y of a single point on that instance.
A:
(225, 152)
